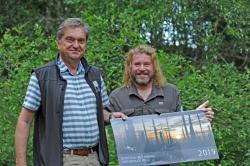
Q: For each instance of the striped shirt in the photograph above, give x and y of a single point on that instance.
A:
(80, 126)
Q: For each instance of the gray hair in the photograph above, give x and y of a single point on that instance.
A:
(72, 23)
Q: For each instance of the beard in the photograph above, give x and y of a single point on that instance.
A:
(142, 81)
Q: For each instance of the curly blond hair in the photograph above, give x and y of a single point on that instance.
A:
(158, 79)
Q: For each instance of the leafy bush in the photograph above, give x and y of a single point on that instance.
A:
(19, 55)
(228, 93)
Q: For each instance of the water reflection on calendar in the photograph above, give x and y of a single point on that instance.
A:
(164, 139)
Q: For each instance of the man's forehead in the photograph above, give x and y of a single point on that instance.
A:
(76, 31)
(141, 57)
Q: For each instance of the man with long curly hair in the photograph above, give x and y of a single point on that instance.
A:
(145, 89)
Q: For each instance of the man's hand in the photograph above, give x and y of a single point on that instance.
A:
(109, 115)
(119, 115)
(207, 110)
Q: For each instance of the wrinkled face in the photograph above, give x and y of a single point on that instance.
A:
(73, 44)
(141, 69)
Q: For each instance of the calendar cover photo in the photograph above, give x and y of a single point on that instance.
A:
(164, 139)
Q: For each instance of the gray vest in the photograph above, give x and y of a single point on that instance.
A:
(48, 143)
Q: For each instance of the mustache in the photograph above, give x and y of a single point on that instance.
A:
(143, 72)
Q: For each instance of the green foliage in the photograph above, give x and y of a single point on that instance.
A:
(27, 13)
(112, 150)
(19, 55)
(202, 30)
(228, 93)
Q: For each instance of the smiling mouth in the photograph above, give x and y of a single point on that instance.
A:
(142, 74)
(75, 52)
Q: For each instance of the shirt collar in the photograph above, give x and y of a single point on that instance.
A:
(63, 68)
(155, 91)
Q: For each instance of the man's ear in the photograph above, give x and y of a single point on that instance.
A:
(58, 43)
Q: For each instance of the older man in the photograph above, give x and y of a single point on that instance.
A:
(66, 97)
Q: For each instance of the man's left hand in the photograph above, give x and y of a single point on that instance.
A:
(207, 110)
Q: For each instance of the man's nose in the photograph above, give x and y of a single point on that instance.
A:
(142, 67)
(75, 43)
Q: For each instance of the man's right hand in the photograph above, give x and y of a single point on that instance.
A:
(119, 115)
(22, 135)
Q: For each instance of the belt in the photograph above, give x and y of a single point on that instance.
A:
(80, 152)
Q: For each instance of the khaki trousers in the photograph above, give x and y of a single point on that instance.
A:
(90, 160)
